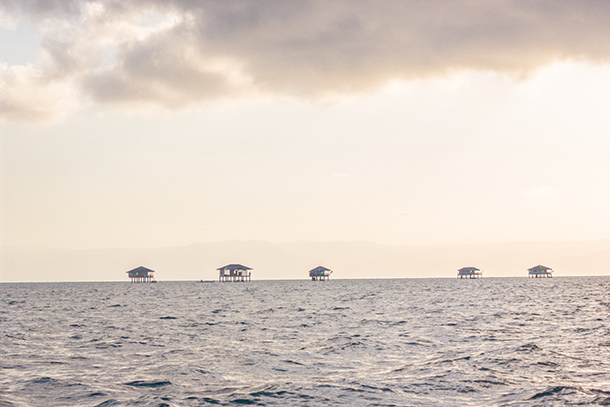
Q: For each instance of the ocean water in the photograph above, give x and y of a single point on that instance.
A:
(403, 342)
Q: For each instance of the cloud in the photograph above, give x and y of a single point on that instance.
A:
(177, 53)
(28, 97)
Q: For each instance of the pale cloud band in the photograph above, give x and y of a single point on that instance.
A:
(179, 53)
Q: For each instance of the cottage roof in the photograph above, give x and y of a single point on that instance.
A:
(231, 267)
(540, 268)
(467, 269)
(140, 269)
(319, 269)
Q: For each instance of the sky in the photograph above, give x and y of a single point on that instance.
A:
(136, 124)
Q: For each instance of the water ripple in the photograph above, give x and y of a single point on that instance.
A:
(420, 342)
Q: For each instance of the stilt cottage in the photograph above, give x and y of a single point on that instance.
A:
(142, 275)
(320, 273)
(540, 271)
(469, 272)
(234, 272)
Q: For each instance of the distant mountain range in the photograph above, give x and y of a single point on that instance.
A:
(199, 261)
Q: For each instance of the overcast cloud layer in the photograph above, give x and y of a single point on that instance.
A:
(179, 53)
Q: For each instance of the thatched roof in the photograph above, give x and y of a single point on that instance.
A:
(233, 267)
(540, 269)
(319, 269)
(468, 269)
(140, 270)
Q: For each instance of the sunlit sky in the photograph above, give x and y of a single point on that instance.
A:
(164, 123)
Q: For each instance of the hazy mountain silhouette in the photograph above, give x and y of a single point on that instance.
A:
(292, 260)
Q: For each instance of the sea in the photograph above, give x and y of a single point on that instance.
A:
(383, 342)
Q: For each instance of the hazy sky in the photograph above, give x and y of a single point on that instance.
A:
(166, 122)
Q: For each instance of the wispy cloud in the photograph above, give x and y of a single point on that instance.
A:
(177, 53)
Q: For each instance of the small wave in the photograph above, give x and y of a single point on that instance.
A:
(269, 394)
(44, 380)
(353, 390)
(210, 400)
(376, 388)
(549, 364)
(108, 403)
(343, 342)
(552, 391)
(604, 402)
(18, 336)
(245, 402)
(168, 318)
(528, 347)
(108, 345)
(454, 359)
(414, 344)
(142, 383)
(493, 382)
(402, 369)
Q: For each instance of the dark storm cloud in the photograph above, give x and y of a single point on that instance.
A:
(311, 48)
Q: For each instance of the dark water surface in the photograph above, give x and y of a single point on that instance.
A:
(494, 341)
